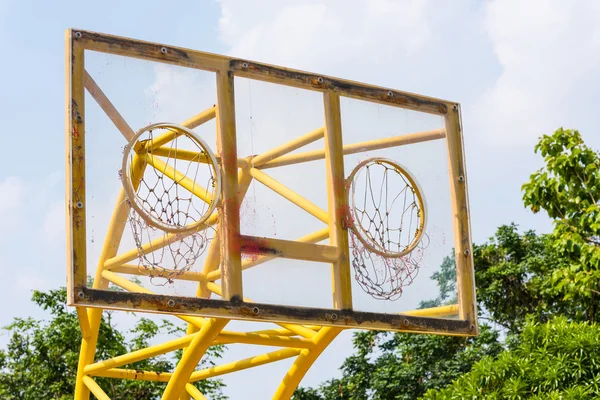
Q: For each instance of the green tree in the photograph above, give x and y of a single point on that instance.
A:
(40, 361)
(567, 188)
(514, 273)
(554, 360)
(403, 365)
(520, 277)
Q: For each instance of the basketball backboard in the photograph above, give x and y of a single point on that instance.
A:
(181, 193)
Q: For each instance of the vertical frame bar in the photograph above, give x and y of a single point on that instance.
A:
(229, 216)
(337, 201)
(75, 167)
(460, 218)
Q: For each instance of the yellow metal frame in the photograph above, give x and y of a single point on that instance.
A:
(303, 332)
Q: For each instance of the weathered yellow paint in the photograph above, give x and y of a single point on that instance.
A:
(75, 168)
(465, 274)
(337, 202)
(289, 249)
(134, 374)
(314, 237)
(231, 261)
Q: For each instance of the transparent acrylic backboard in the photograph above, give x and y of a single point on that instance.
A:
(201, 184)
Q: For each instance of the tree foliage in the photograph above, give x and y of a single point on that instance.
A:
(553, 360)
(40, 361)
(567, 188)
(514, 274)
(402, 365)
(543, 290)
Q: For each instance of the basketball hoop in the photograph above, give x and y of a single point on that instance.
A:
(387, 221)
(161, 175)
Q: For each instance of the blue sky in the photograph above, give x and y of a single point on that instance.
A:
(519, 69)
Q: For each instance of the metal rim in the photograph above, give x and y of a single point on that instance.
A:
(361, 234)
(131, 195)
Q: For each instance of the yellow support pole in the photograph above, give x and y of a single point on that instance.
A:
(94, 388)
(295, 144)
(108, 108)
(191, 357)
(111, 245)
(138, 355)
(84, 322)
(304, 361)
(290, 195)
(195, 156)
(180, 178)
(262, 340)
(443, 311)
(194, 392)
(131, 269)
(213, 256)
(337, 201)
(289, 249)
(314, 237)
(353, 148)
(135, 374)
(241, 365)
(191, 123)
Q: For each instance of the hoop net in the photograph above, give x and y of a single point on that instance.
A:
(387, 221)
(171, 179)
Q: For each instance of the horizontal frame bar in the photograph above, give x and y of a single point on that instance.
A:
(250, 69)
(240, 310)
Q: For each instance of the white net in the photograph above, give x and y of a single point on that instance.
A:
(387, 221)
(172, 182)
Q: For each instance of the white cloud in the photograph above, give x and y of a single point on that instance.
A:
(315, 34)
(548, 51)
(179, 93)
(53, 227)
(12, 198)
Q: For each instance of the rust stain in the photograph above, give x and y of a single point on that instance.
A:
(354, 89)
(269, 312)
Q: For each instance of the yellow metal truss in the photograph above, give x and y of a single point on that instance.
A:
(292, 338)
